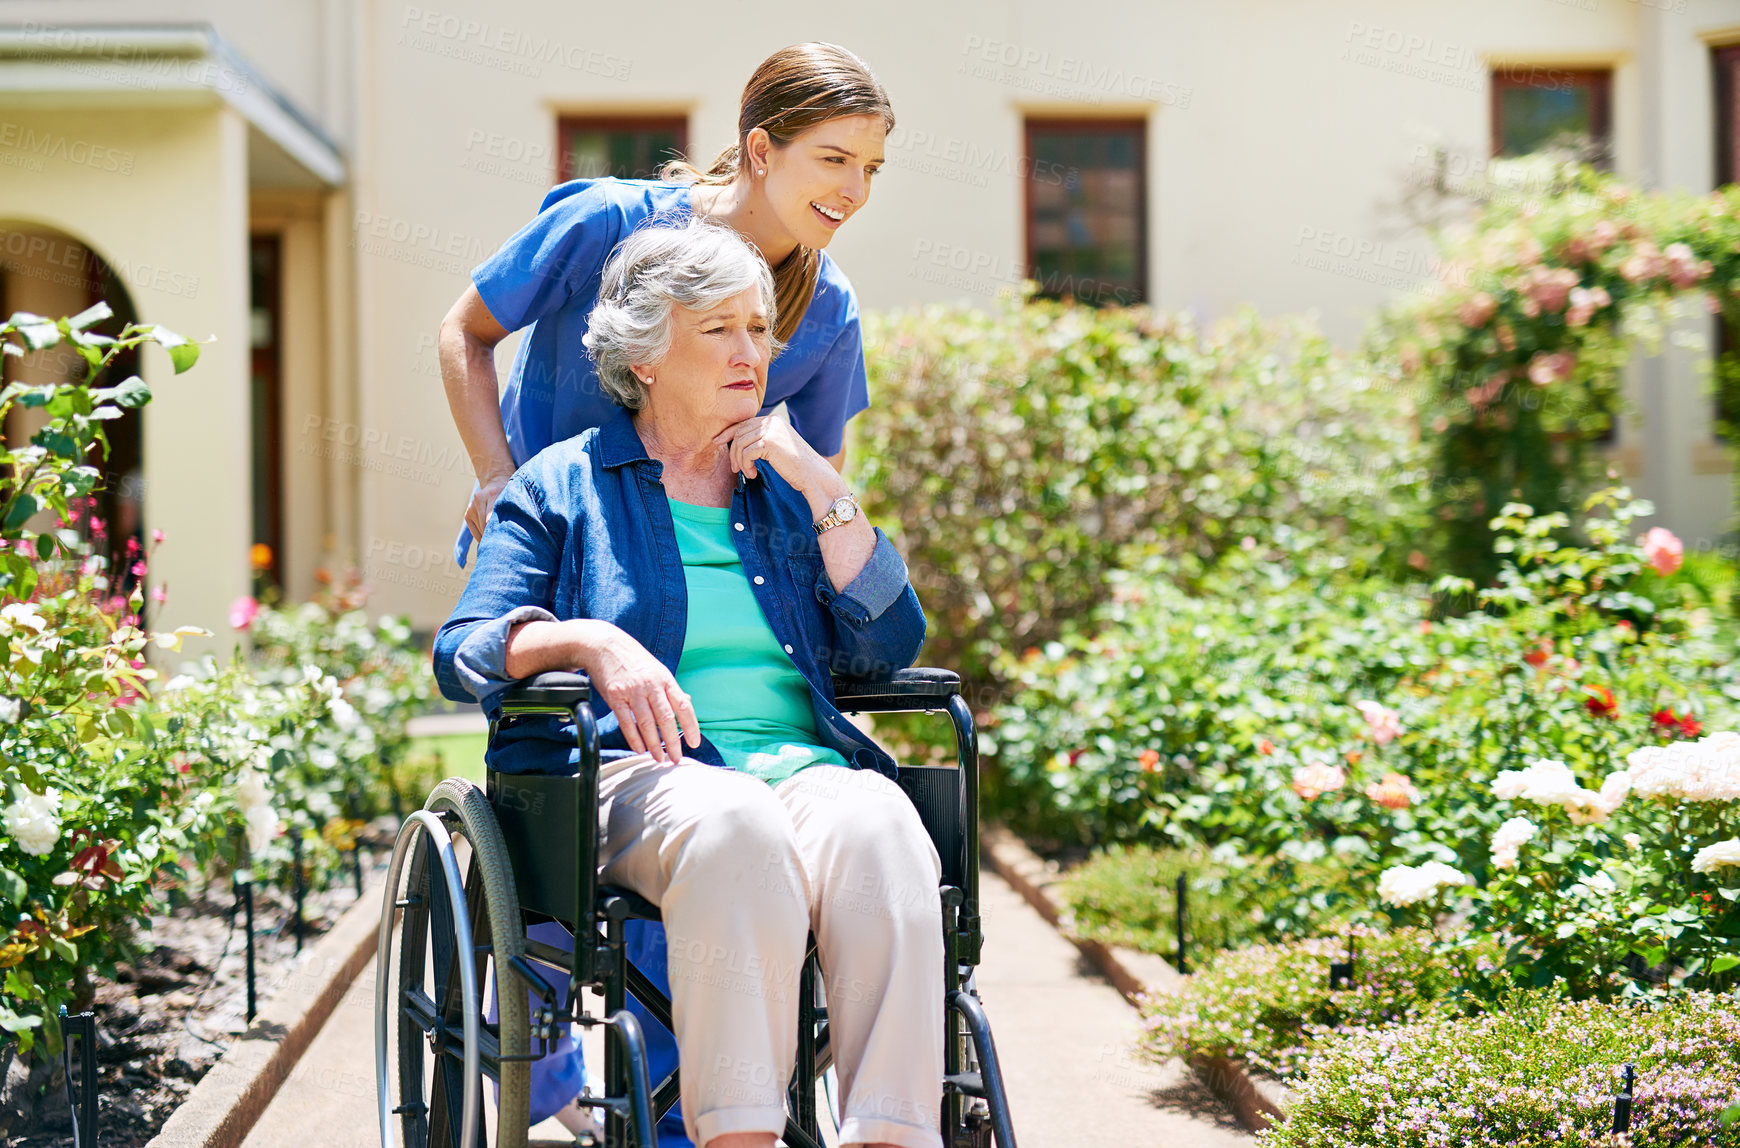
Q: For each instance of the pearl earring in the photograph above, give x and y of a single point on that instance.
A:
(761, 171)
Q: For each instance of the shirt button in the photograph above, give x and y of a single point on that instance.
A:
(737, 525)
(759, 579)
(788, 649)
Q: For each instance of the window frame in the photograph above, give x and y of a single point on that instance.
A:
(1100, 125)
(568, 123)
(1600, 81)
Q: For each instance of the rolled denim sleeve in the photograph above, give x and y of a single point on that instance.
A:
(878, 623)
(514, 581)
(480, 661)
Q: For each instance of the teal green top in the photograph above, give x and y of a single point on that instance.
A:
(753, 703)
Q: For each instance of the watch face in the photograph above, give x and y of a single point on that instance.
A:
(846, 509)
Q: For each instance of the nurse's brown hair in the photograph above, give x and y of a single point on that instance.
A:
(792, 91)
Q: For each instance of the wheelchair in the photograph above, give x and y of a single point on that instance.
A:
(479, 867)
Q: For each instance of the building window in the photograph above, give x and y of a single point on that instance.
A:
(265, 326)
(1535, 107)
(1726, 62)
(629, 147)
(1087, 209)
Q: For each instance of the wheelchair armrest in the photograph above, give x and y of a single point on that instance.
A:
(551, 692)
(920, 688)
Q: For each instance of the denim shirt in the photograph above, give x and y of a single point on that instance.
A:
(584, 530)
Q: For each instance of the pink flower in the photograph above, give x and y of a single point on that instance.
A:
(1314, 780)
(1551, 367)
(1663, 551)
(242, 612)
(1395, 791)
(1644, 262)
(1585, 301)
(138, 569)
(26, 547)
(160, 594)
(1548, 289)
(1476, 310)
(156, 536)
(1383, 722)
(1683, 266)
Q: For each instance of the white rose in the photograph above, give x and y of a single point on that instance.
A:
(34, 821)
(262, 823)
(1405, 885)
(1509, 840)
(251, 789)
(11, 709)
(1721, 855)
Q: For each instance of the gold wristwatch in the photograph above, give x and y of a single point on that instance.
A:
(844, 510)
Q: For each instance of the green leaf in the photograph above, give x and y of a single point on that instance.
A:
(26, 506)
(1723, 964)
(90, 316)
(12, 888)
(131, 393)
(38, 333)
(181, 352)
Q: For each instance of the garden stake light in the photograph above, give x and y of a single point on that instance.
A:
(245, 891)
(1622, 1103)
(1341, 972)
(83, 1027)
(1178, 899)
(301, 886)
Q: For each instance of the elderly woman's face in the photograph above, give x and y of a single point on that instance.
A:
(716, 369)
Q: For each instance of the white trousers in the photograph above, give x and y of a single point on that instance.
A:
(742, 872)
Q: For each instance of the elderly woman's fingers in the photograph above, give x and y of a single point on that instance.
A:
(665, 714)
(686, 715)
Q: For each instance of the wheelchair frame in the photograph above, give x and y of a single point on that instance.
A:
(508, 888)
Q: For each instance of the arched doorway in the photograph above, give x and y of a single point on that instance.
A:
(51, 273)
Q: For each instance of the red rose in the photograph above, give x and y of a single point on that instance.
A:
(1600, 702)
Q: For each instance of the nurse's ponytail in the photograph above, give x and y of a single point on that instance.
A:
(792, 91)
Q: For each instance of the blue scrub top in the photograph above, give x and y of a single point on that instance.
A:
(547, 276)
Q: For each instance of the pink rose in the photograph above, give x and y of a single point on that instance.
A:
(156, 536)
(1585, 301)
(1395, 791)
(242, 612)
(1383, 723)
(1476, 310)
(1663, 551)
(1548, 289)
(1645, 262)
(1683, 266)
(1314, 780)
(1552, 367)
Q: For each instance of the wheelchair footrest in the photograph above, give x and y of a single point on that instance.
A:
(970, 1083)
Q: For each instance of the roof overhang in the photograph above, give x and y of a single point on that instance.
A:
(102, 65)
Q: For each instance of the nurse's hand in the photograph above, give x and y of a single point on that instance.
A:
(483, 501)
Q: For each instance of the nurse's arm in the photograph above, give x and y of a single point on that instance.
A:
(466, 348)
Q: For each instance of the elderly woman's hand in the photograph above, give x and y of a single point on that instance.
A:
(770, 439)
(655, 713)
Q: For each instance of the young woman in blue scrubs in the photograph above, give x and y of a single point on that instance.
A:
(811, 129)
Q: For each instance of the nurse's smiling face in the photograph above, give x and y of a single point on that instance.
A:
(822, 177)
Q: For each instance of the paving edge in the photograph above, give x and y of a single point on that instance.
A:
(1256, 1103)
(223, 1108)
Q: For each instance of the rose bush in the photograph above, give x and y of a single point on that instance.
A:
(1541, 301)
(1234, 721)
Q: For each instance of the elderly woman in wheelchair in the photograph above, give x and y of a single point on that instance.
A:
(710, 574)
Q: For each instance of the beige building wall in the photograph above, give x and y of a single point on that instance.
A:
(1282, 137)
(173, 225)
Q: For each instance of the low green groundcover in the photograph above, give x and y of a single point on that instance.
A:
(1271, 1006)
(1540, 1071)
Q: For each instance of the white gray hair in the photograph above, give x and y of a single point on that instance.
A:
(690, 262)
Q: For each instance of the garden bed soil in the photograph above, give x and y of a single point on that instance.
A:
(166, 1019)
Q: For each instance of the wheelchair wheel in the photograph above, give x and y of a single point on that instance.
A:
(453, 954)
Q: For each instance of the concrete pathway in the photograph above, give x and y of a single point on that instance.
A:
(1065, 1037)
